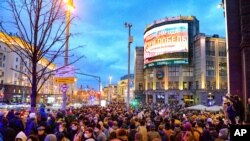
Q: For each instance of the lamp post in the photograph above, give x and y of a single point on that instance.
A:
(70, 8)
(130, 40)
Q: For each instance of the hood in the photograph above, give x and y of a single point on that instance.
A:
(50, 137)
(21, 136)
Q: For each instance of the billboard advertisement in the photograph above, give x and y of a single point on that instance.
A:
(166, 44)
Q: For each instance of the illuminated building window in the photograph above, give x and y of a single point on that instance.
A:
(223, 68)
(210, 68)
(185, 85)
(173, 84)
(222, 50)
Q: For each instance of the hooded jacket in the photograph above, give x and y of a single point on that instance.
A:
(21, 136)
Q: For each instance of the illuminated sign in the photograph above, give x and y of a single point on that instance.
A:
(167, 43)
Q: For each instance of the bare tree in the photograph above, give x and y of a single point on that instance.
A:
(40, 27)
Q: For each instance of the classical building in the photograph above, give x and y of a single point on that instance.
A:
(123, 86)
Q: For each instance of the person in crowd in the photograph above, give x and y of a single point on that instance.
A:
(138, 137)
(168, 130)
(89, 135)
(73, 130)
(164, 136)
(99, 135)
(50, 137)
(62, 130)
(152, 134)
(21, 136)
(197, 131)
(122, 135)
(32, 138)
(223, 135)
(10, 114)
(131, 131)
(41, 132)
(143, 130)
(177, 135)
(16, 123)
(31, 125)
(104, 129)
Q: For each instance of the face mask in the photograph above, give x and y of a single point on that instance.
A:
(60, 129)
(86, 136)
(74, 128)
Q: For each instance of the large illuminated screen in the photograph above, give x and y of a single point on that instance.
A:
(166, 44)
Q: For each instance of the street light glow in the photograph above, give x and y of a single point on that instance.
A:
(70, 5)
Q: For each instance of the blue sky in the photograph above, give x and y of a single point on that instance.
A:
(99, 27)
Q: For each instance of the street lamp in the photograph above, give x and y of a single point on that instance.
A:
(70, 8)
(130, 40)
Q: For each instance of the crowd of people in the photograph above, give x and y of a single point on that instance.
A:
(114, 123)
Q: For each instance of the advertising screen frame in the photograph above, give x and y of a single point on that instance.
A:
(166, 45)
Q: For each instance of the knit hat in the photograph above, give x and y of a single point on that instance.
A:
(21, 136)
(50, 137)
(32, 115)
(187, 127)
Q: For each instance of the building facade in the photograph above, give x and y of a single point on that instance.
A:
(181, 66)
(122, 88)
(210, 68)
(15, 86)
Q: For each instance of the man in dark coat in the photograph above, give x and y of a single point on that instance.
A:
(16, 123)
(31, 124)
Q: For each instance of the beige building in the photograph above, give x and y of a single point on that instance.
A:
(210, 67)
(122, 88)
(109, 93)
(14, 85)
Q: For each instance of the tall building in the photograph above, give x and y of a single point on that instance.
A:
(210, 68)
(238, 45)
(181, 66)
(168, 59)
(139, 74)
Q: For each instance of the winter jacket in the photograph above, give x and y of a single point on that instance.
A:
(31, 127)
(17, 124)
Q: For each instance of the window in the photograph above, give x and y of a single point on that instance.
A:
(2, 74)
(187, 71)
(140, 86)
(197, 84)
(158, 85)
(222, 51)
(173, 71)
(173, 84)
(210, 68)
(222, 68)
(185, 85)
(210, 48)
